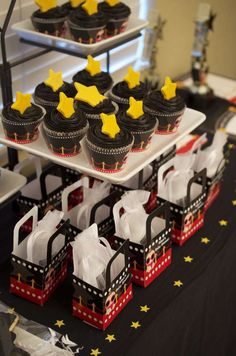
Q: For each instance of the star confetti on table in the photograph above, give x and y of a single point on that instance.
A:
(112, 2)
(231, 146)
(110, 126)
(89, 95)
(234, 202)
(205, 240)
(178, 283)
(132, 78)
(54, 80)
(60, 323)
(66, 106)
(90, 6)
(169, 89)
(76, 3)
(95, 352)
(135, 110)
(46, 5)
(188, 259)
(110, 338)
(144, 308)
(93, 67)
(135, 324)
(22, 103)
(223, 222)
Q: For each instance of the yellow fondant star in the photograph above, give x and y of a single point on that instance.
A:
(135, 324)
(169, 89)
(110, 126)
(188, 259)
(144, 308)
(89, 95)
(95, 352)
(132, 78)
(205, 240)
(234, 202)
(66, 106)
(46, 5)
(59, 323)
(135, 109)
(90, 6)
(23, 102)
(93, 67)
(223, 222)
(112, 2)
(110, 338)
(76, 3)
(178, 283)
(54, 80)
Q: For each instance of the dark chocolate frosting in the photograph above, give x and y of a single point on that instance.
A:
(57, 122)
(102, 81)
(80, 18)
(95, 136)
(119, 11)
(122, 90)
(55, 13)
(31, 114)
(105, 107)
(46, 93)
(144, 123)
(67, 7)
(156, 101)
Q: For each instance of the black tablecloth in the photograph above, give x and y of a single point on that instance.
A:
(198, 318)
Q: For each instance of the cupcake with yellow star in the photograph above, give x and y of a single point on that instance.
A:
(47, 93)
(92, 103)
(166, 106)
(87, 24)
(118, 15)
(49, 18)
(141, 126)
(108, 145)
(130, 86)
(21, 119)
(64, 128)
(72, 5)
(93, 75)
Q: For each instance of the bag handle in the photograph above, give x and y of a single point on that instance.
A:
(164, 209)
(123, 249)
(162, 170)
(109, 200)
(36, 161)
(200, 175)
(63, 229)
(83, 182)
(32, 213)
(53, 169)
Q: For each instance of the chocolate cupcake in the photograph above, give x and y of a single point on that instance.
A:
(50, 18)
(92, 75)
(130, 86)
(87, 23)
(72, 5)
(21, 119)
(108, 145)
(166, 107)
(64, 128)
(47, 93)
(118, 14)
(141, 126)
(92, 103)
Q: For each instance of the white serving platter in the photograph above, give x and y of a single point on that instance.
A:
(26, 31)
(136, 160)
(10, 183)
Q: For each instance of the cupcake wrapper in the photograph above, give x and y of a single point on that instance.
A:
(93, 119)
(86, 35)
(114, 27)
(55, 27)
(142, 139)
(47, 105)
(123, 103)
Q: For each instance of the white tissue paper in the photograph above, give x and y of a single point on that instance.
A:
(91, 255)
(38, 239)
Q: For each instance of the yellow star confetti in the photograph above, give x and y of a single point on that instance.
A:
(93, 67)
(112, 2)
(59, 323)
(95, 352)
(205, 240)
(89, 95)
(54, 80)
(76, 3)
(66, 106)
(135, 109)
(132, 78)
(46, 5)
(178, 283)
(135, 324)
(223, 222)
(231, 146)
(188, 259)
(23, 102)
(169, 89)
(144, 308)
(109, 127)
(234, 202)
(90, 6)
(110, 338)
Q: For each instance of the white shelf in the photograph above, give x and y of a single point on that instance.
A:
(10, 183)
(135, 162)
